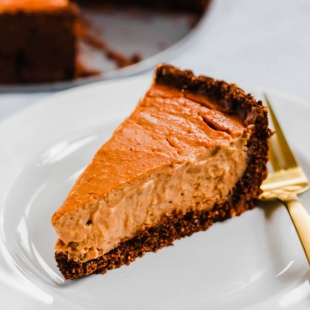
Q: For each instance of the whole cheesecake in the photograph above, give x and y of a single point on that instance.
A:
(40, 39)
(193, 152)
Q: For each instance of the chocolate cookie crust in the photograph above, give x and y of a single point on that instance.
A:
(233, 101)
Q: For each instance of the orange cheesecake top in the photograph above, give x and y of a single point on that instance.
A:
(31, 5)
(166, 128)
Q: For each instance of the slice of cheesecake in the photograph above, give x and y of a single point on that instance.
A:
(192, 153)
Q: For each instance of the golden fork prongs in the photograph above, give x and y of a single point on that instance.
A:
(287, 181)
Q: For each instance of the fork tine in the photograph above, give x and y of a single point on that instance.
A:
(273, 158)
(287, 155)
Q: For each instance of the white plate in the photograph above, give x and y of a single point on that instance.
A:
(250, 262)
(155, 36)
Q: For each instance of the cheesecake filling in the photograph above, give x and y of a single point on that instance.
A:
(196, 184)
(175, 153)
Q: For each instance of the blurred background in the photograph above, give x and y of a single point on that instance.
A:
(264, 43)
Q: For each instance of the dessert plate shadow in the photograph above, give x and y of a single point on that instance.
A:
(249, 262)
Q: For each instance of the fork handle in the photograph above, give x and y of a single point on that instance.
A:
(301, 219)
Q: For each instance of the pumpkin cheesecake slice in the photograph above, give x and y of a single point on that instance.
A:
(193, 152)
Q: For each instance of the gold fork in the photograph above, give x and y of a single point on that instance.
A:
(287, 181)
